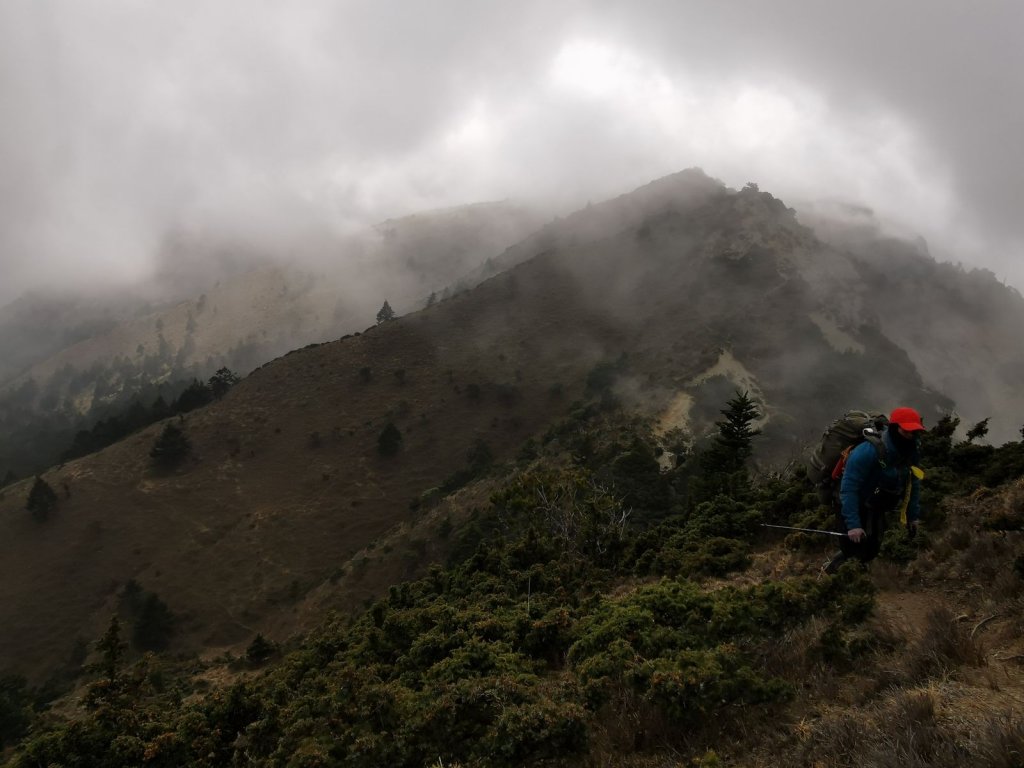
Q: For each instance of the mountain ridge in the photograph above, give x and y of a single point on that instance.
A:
(286, 485)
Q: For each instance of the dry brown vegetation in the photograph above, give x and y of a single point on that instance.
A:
(935, 678)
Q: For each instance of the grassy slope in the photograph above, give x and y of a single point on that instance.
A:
(942, 679)
(223, 538)
(235, 537)
(933, 678)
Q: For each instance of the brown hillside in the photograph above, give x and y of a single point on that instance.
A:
(286, 484)
(265, 510)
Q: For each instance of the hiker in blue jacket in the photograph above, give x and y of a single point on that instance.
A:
(877, 481)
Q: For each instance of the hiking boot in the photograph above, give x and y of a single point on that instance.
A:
(833, 563)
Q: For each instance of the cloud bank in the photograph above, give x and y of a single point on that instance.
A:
(124, 121)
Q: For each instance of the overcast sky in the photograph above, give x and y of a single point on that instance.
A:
(121, 120)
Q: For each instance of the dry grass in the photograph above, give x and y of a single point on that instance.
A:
(917, 728)
(944, 645)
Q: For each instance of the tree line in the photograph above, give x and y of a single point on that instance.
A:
(108, 431)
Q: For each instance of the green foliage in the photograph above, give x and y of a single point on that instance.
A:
(196, 395)
(260, 650)
(222, 381)
(479, 460)
(43, 424)
(170, 447)
(385, 314)
(537, 634)
(42, 500)
(389, 442)
(571, 509)
(682, 649)
(937, 442)
(978, 431)
(15, 709)
(733, 445)
(112, 649)
(710, 541)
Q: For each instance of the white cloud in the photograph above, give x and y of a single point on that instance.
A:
(124, 119)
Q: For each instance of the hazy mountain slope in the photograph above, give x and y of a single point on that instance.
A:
(680, 191)
(78, 365)
(286, 482)
(37, 326)
(960, 327)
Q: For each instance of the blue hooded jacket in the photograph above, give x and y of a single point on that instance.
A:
(864, 474)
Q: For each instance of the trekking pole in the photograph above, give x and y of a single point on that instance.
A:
(804, 530)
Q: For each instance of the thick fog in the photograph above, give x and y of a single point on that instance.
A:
(125, 124)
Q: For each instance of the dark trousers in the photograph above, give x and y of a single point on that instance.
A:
(873, 516)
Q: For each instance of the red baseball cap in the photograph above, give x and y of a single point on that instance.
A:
(907, 418)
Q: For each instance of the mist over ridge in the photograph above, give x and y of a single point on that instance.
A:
(248, 122)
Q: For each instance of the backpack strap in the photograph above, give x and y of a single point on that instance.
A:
(870, 437)
(876, 440)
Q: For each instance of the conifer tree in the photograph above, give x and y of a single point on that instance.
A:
(386, 313)
(390, 440)
(978, 431)
(41, 499)
(112, 649)
(196, 395)
(734, 442)
(153, 625)
(223, 380)
(937, 442)
(259, 650)
(723, 465)
(170, 447)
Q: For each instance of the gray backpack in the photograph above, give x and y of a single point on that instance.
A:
(826, 463)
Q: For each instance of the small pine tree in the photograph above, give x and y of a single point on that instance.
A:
(734, 443)
(159, 410)
(937, 442)
(390, 440)
(978, 431)
(153, 625)
(112, 649)
(42, 499)
(170, 447)
(223, 380)
(386, 313)
(196, 395)
(259, 650)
